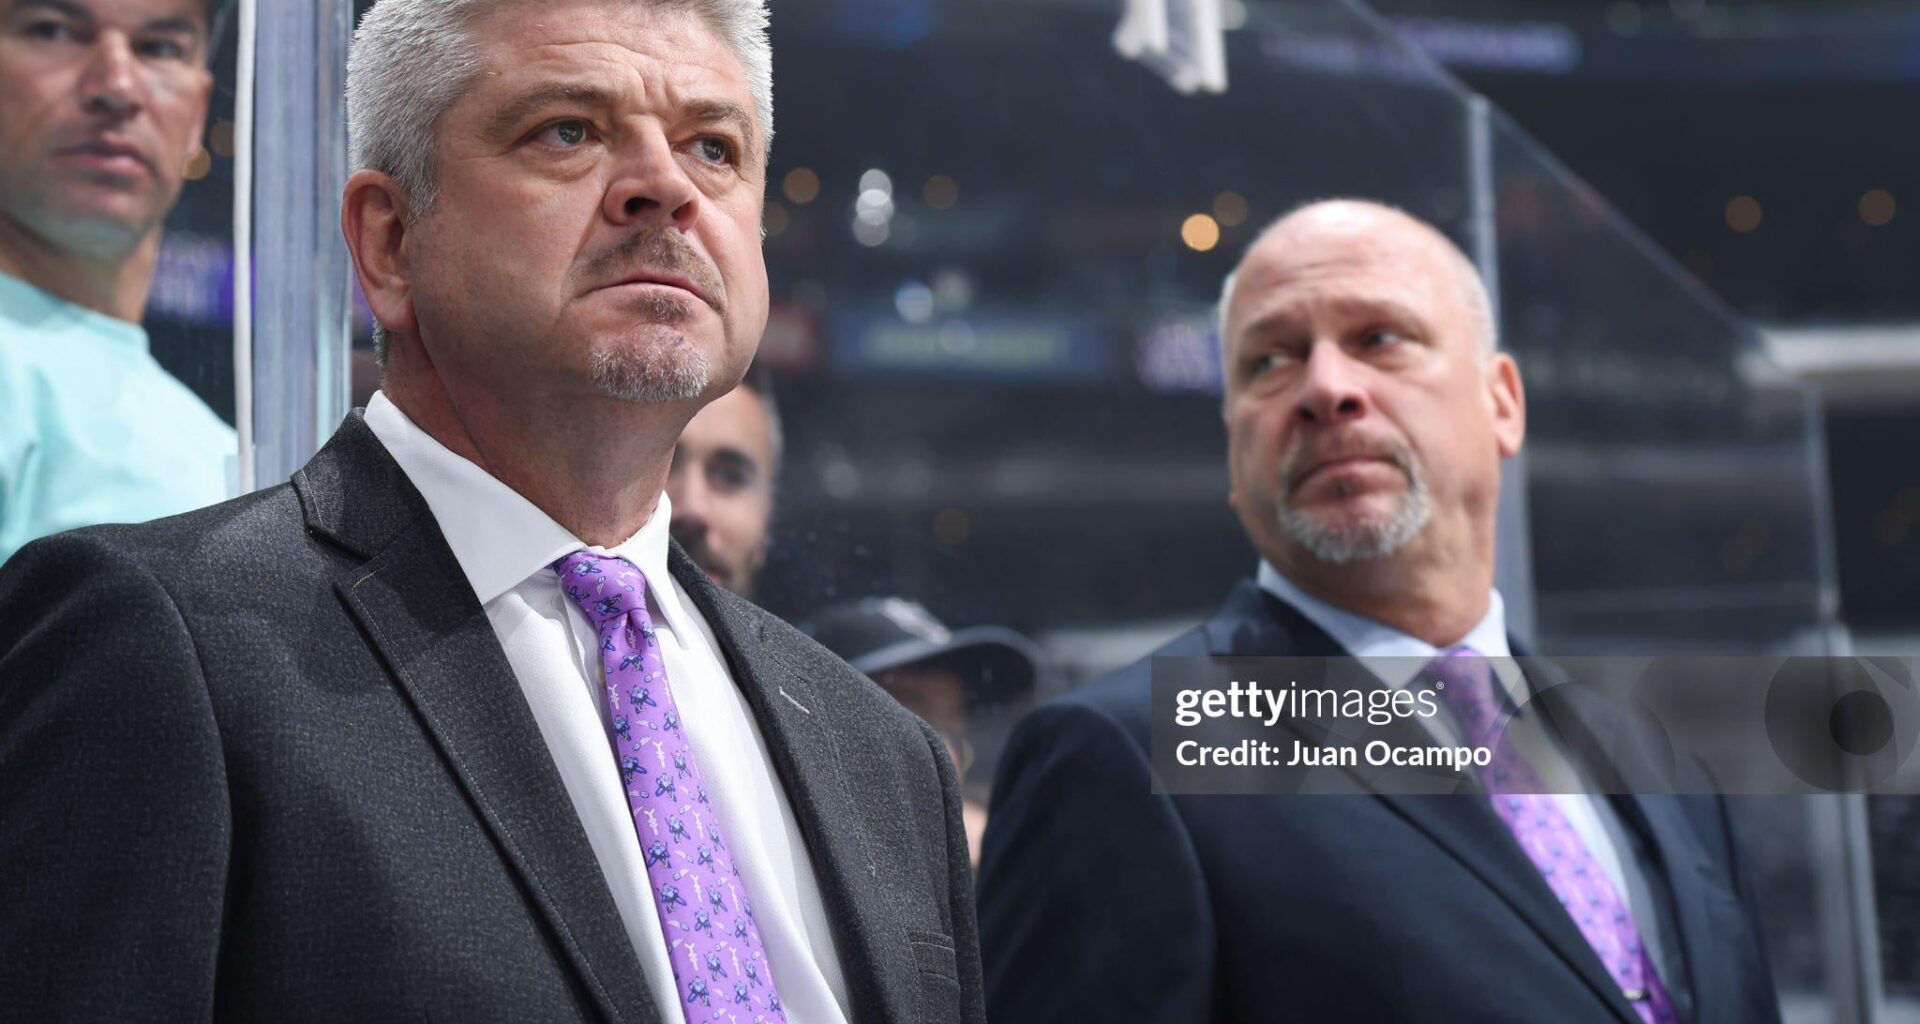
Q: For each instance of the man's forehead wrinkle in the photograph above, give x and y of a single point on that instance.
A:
(667, 62)
(1299, 275)
(626, 72)
(1282, 296)
(69, 8)
(162, 17)
(670, 38)
(1406, 263)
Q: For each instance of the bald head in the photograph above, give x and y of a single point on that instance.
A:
(1366, 229)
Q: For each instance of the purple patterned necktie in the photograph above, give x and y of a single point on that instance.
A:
(720, 969)
(1542, 829)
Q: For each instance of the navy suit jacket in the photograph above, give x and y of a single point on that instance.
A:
(1100, 900)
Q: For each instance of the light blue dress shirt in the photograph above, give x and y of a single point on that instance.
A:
(92, 430)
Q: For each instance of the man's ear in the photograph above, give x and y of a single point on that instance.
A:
(1509, 400)
(373, 216)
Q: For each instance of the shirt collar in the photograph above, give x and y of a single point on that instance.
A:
(1396, 657)
(33, 307)
(499, 537)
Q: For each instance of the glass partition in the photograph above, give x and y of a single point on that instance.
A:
(189, 316)
(995, 245)
(295, 388)
(1000, 380)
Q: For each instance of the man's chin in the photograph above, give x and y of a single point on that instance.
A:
(651, 370)
(1355, 534)
(95, 218)
(1347, 539)
(1371, 510)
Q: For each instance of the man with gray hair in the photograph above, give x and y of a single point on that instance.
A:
(1367, 412)
(448, 727)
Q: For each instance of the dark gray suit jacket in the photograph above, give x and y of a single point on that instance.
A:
(267, 760)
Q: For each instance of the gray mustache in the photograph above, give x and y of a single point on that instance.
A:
(1304, 458)
(661, 250)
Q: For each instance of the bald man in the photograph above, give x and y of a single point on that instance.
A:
(1367, 412)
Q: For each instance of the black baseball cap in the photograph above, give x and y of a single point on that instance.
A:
(875, 634)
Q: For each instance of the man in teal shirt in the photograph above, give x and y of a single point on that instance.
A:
(102, 103)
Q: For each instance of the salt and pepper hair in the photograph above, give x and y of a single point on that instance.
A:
(1479, 303)
(411, 58)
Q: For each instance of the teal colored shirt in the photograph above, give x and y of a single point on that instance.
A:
(92, 430)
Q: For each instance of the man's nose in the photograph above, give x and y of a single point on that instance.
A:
(111, 86)
(1331, 389)
(650, 186)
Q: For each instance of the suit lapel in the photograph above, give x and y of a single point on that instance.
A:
(1640, 771)
(1256, 624)
(793, 716)
(1691, 883)
(1467, 829)
(414, 603)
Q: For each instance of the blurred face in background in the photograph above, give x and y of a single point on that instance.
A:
(597, 226)
(721, 488)
(1366, 414)
(938, 695)
(934, 692)
(102, 104)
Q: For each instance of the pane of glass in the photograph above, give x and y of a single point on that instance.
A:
(1000, 382)
(300, 310)
(995, 246)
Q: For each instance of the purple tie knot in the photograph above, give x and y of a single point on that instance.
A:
(604, 586)
(1465, 680)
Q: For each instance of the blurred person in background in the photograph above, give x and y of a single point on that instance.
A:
(447, 727)
(952, 679)
(1367, 411)
(725, 466)
(102, 105)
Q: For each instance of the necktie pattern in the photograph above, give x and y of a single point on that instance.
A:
(720, 968)
(1541, 828)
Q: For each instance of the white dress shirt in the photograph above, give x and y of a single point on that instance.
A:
(1398, 659)
(505, 545)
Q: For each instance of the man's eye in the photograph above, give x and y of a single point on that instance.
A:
(730, 471)
(163, 49)
(714, 150)
(565, 134)
(49, 31)
(1382, 337)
